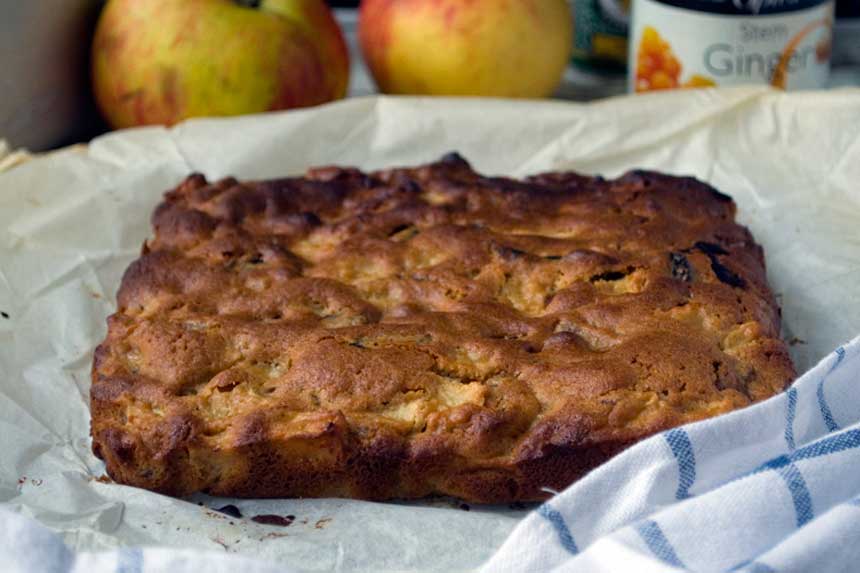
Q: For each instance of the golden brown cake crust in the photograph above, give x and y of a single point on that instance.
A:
(426, 331)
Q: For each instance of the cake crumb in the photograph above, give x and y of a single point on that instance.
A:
(278, 520)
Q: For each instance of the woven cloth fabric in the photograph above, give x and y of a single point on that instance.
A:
(773, 487)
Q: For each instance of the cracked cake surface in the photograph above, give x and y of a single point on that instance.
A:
(426, 330)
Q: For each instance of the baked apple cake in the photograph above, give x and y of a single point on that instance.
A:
(426, 330)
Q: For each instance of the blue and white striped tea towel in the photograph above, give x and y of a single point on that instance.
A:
(773, 487)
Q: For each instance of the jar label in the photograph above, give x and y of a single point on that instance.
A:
(672, 47)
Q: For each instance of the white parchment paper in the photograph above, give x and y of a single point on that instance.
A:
(70, 223)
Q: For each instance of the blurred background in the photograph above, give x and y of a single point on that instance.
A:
(47, 95)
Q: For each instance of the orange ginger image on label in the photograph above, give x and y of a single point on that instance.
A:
(657, 68)
(779, 79)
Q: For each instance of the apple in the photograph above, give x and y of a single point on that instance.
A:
(507, 48)
(162, 61)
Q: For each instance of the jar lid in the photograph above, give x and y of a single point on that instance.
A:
(744, 7)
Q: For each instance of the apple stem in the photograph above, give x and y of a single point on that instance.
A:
(249, 3)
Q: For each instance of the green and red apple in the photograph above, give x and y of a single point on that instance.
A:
(506, 48)
(162, 61)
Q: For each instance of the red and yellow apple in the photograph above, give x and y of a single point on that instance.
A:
(162, 61)
(506, 48)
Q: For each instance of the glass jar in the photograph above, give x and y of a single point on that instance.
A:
(600, 34)
(846, 34)
(701, 43)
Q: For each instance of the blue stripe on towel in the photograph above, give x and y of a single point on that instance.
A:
(129, 560)
(790, 412)
(679, 442)
(831, 424)
(846, 440)
(753, 567)
(840, 356)
(557, 521)
(656, 541)
(785, 466)
(799, 493)
(829, 421)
